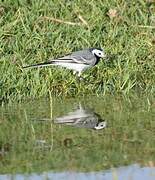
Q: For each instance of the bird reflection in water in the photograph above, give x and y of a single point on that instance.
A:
(82, 118)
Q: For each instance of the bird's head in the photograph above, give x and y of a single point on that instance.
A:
(98, 52)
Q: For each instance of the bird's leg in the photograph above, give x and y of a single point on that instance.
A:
(79, 76)
(74, 72)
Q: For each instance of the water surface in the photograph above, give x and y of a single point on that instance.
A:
(133, 172)
(81, 137)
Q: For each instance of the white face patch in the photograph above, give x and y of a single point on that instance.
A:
(98, 53)
(101, 125)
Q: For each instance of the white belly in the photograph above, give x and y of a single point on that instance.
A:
(73, 66)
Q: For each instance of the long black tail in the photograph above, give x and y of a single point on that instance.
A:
(40, 65)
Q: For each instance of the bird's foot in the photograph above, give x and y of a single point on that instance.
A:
(81, 78)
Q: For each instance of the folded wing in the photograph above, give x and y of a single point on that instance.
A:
(65, 59)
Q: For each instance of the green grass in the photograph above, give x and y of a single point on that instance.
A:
(27, 38)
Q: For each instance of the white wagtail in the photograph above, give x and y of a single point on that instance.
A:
(77, 61)
(83, 118)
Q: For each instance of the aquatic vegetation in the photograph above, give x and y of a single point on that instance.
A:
(29, 143)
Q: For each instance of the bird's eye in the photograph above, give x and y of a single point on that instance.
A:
(99, 53)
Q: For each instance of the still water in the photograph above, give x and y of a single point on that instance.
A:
(78, 138)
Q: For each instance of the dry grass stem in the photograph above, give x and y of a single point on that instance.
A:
(83, 20)
(151, 27)
(62, 21)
